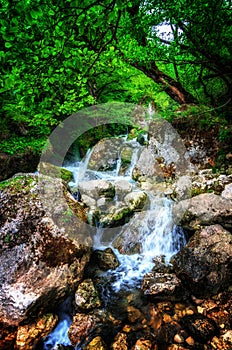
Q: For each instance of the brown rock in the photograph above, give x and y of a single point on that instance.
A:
(96, 343)
(200, 327)
(105, 259)
(120, 342)
(142, 344)
(133, 314)
(81, 326)
(29, 335)
(155, 318)
(190, 341)
(178, 338)
(86, 296)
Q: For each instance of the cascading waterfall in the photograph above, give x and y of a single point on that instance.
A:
(159, 236)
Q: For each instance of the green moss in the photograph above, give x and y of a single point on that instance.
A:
(66, 175)
(18, 183)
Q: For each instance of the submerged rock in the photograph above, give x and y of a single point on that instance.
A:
(205, 263)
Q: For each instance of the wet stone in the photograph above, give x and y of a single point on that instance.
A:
(86, 296)
(157, 284)
(201, 328)
(105, 259)
(81, 327)
(120, 342)
(96, 344)
(29, 335)
(142, 344)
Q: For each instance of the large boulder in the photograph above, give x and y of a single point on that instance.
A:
(204, 264)
(105, 154)
(204, 209)
(165, 156)
(41, 261)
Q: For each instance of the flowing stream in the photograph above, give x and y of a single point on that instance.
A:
(157, 232)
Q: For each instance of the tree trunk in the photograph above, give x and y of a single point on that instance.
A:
(173, 88)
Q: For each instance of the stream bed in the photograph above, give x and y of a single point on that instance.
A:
(157, 237)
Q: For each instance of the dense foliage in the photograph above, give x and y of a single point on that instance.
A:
(60, 56)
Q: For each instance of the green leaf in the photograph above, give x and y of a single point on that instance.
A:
(8, 44)
(51, 12)
(36, 13)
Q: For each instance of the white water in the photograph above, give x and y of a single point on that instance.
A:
(157, 236)
(60, 333)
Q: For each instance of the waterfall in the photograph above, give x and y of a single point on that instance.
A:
(157, 235)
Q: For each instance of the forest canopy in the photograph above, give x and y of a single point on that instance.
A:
(58, 57)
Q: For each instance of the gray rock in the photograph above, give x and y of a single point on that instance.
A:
(97, 188)
(135, 200)
(122, 187)
(88, 201)
(227, 193)
(105, 154)
(204, 209)
(117, 216)
(129, 241)
(161, 284)
(204, 264)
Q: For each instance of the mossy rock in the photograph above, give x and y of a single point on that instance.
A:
(66, 175)
(54, 171)
(126, 155)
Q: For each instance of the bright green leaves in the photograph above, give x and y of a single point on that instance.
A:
(8, 44)
(36, 13)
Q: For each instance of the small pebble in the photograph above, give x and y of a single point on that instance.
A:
(190, 341)
(178, 339)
